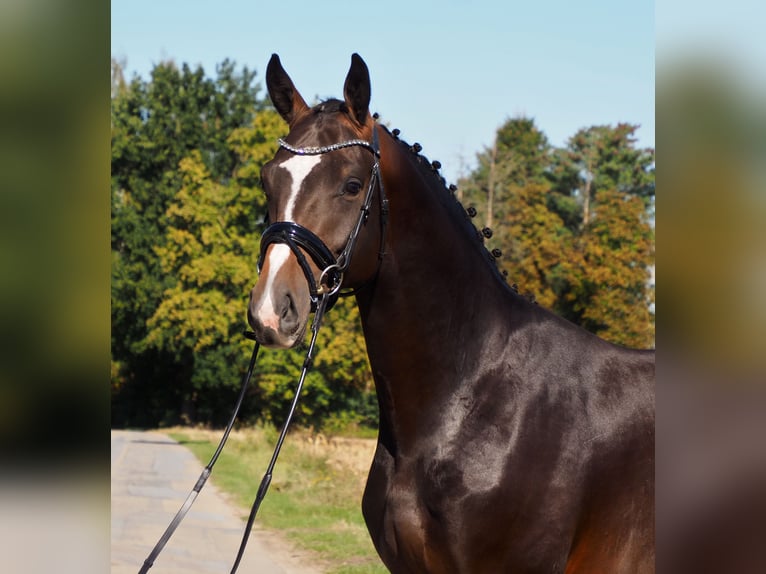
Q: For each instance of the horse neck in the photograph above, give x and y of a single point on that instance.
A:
(436, 298)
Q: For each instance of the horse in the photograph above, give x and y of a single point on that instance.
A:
(510, 440)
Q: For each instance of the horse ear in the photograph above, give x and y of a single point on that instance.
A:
(286, 99)
(356, 90)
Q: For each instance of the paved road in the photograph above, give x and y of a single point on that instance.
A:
(151, 477)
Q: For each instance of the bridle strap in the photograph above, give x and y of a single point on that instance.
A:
(319, 150)
(286, 230)
(299, 238)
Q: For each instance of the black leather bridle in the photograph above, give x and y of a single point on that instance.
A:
(303, 241)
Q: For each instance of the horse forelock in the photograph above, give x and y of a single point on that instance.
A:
(330, 106)
(326, 123)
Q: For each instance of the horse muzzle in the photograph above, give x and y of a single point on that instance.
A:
(286, 293)
(280, 304)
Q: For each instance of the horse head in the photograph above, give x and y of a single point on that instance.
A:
(315, 187)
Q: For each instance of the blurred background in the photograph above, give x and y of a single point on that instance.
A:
(54, 277)
(711, 386)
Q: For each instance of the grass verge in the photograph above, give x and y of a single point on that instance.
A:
(315, 494)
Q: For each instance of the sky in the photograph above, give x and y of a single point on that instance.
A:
(447, 73)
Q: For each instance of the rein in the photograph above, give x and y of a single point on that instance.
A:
(266, 480)
(324, 293)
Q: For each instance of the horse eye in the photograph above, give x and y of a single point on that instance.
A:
(352, 187)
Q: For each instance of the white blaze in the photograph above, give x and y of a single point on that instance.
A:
(299, 167)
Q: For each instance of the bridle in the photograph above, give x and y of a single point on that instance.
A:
(300, 239)
(324, 293)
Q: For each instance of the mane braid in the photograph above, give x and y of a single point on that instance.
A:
(431, 169)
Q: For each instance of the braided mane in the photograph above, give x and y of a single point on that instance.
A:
(430, 169)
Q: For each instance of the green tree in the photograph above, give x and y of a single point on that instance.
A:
(609, 271)
(155, 124)
(605, 193)
(574, 223)
(536, 243)
(600, 158)
(519, 156)
(510, 189)
(209, 248)
(342, 361)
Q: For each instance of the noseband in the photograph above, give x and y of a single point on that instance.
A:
(300, 240)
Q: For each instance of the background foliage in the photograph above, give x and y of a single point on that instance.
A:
(574, 225)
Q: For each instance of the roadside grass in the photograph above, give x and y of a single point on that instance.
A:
(315, 495)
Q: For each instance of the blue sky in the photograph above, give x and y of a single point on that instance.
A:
(447, 74)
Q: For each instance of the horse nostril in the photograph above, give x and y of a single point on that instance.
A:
(289, 313)
(252, 315)
(251, 318)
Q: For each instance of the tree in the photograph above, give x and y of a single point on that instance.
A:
(156, 124)
(510, 188)
(603, 157)
(536, 244)
(574, 224)
(609, 271)
(519, 155)
(210, 246)
(612, 181)
(118, 77)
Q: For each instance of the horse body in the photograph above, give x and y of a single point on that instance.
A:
(510, 422)
(509, 440)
